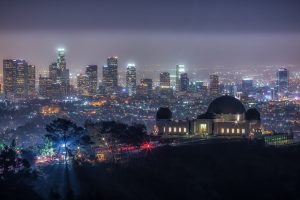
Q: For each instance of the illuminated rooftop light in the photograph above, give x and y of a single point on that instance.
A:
(247, 79)
(130, 65)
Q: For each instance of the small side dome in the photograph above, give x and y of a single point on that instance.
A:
(164, 113)
(252, 114)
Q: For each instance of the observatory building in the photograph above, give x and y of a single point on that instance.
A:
(225, 116)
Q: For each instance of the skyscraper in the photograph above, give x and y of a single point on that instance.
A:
(110, 74)
(18, 79)
(184, 82)
(31, 80)
(131, 79)
(9, 78)
(214, 90)
(53, 72)
(282, 82)
(179, 70)
(247, 86)
(45, 86)
(83, 84)
(92, 73)
(164, 80)
(145, 87)
(59, 75)
(63, 72)
(61, 60)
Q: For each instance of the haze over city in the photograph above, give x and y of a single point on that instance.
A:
(149, 99)
(157, 34)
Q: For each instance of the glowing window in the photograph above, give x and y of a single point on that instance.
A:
(175, 129)
(203, 128)
(170, 129)
(237, 130)
(243, 130)
(164, 129)
(184, 129)
(232, 130)
(227, 130)
(222, 130)
(179, 129)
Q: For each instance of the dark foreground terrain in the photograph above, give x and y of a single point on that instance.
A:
(236, 170)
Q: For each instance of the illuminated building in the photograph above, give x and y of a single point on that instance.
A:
(282, 82)
(59, 75)
(247, 86)
(145, 87)
(92, 73)
(225, 116)
(18, 79)
(110, 74)
(198, 87)
(166, 126)
(64, 75)
(83, 84)
(50, 110)
(61, 59)
(53, 71)
(31, 80)
(179, 70)
(164, 80)
(184, 82)
(45, 86)
(9, 78)
(214, 89)
(131, 79)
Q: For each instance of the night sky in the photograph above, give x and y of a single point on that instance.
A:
(197, 33)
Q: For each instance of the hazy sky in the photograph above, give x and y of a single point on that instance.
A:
(153, 32)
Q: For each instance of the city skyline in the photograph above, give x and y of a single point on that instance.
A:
(194, 33)
(149, 99)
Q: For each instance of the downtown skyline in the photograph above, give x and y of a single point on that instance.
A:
(195, 33)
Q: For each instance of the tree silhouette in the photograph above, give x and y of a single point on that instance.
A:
(11, 162)
(64, 133)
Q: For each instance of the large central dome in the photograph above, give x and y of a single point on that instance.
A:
(226, 105)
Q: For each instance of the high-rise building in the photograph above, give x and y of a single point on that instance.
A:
(83, 84)
(61, 60)
(145, 87)
(31, 80)
(247, 86)
(53, 72)
(92, 73)
(110, 74)
(214, 89)
(184, 82)
(45, 86)
(164, 80)
(179, 70)
(131, 79)
(18, 79)
(59, 75)
(282, 82)
(9, 78)
(64, 74)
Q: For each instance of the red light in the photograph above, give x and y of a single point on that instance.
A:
(146, 146)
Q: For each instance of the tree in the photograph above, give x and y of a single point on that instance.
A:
(11, 162)
(114, 135)
(47, 149)
(65, 134)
